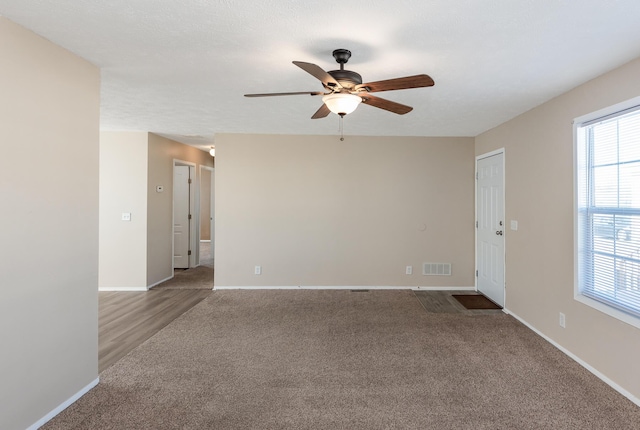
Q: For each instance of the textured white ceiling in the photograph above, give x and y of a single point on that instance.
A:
(180, 68)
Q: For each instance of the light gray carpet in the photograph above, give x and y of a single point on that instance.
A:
(309, 359)
(195, 278)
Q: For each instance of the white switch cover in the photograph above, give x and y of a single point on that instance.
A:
(126, 216)
(514, 224)
(258, 270)
(409, 270)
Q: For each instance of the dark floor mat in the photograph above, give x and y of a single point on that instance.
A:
(475, 301)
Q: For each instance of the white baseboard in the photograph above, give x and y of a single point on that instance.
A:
(443, 288)
(42, 421)
(336, 287)
(578, 360)
(147, 288)
(159, 282)
(122, 289)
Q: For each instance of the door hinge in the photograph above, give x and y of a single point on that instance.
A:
(189, 180)
(189, 253)
(476, 271)
(476, 224)
(189, 216)
(476, 175)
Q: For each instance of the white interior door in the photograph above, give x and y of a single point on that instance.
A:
(490, 228)
(181, 217)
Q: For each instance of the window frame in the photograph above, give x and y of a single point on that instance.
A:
(578, 123)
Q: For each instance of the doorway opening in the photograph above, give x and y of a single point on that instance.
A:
(207, 216)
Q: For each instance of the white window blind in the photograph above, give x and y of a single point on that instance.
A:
(608, 210)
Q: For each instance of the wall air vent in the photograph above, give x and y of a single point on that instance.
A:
(436, 269)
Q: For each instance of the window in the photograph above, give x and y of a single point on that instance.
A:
(608, 211)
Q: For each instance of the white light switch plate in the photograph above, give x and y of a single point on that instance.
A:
(126, 216)
(514, 224)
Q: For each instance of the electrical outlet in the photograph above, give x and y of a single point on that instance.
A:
(562, 320)
(409, 270)
(258, 270)
(126, 216)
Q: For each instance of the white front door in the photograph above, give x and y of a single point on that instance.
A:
(181, 217)
(490, 230)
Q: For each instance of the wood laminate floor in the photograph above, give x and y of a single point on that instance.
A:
(126, 319)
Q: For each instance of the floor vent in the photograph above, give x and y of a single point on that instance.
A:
(438, 269)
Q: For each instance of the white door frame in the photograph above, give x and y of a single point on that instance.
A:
(504, 249)
(194, 207)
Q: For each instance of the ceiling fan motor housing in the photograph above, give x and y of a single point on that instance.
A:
(346, 78)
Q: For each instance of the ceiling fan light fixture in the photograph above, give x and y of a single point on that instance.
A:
(342, 103)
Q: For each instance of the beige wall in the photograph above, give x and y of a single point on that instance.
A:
(539, 194)
(123, 188)
(49, 116)
(315, 211)
(162, 152)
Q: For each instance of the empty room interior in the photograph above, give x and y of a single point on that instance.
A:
(301, 191)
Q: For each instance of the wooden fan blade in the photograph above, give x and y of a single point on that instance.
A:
(322, 112)
(385, 104)
(309, 93)
(417, 81)
(319, 73)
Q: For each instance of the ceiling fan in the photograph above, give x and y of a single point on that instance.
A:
(344, 89)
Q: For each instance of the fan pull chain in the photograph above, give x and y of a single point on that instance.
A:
(342, 128)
